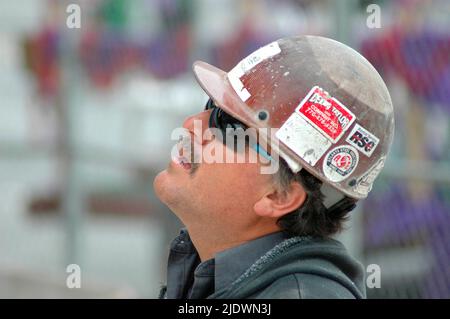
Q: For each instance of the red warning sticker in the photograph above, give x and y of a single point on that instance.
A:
(325, 113)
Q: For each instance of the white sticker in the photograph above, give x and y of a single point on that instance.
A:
(234, 76)
(363, 140)
(364, 185)
(303, 139)
(340, 162)
(238, 87)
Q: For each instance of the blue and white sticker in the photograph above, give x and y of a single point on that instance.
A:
(363, 140)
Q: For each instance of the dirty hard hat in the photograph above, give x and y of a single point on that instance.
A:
(328, 107)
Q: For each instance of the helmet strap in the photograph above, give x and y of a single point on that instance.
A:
(332, 195)
(345, 205)
(335, 201)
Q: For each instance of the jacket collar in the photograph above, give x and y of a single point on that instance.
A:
(229, 264)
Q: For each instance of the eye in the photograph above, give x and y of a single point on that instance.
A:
(223, 121)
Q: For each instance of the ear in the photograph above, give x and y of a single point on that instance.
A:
(277, 203)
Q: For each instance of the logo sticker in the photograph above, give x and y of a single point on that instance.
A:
(363, 140)
(340, 162)
(325, 113)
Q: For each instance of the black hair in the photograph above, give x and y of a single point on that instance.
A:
(312, 218)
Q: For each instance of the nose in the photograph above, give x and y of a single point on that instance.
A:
(197, 124)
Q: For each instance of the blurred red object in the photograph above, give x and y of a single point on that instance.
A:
(42, 59)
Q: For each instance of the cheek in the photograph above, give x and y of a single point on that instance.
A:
(231, 185)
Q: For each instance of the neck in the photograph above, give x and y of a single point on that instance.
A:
(208, 242)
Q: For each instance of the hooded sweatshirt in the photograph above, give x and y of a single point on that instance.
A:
(296, 267)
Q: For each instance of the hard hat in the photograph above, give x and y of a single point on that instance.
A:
(329, 108)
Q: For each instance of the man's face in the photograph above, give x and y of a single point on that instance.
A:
(212, 192)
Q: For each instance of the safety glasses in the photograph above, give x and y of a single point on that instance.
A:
(223, 121)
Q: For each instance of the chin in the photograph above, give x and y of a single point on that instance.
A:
(167, 189)
(159, 185)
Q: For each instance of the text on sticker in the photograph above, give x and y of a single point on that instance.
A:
(325, 113)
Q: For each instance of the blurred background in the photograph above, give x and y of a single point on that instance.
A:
(86, 116)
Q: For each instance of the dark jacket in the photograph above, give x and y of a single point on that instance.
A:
(293, 268)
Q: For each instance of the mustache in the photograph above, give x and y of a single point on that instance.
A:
(186, 149)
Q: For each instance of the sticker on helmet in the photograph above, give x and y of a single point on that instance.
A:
(363, 140)
(303, 139)
(325, 113)
(364, 184)
(234, 76)
(340, 162)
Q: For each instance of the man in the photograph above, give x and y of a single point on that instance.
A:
(321, 122)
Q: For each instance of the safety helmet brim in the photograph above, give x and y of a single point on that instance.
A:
(217, 86)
